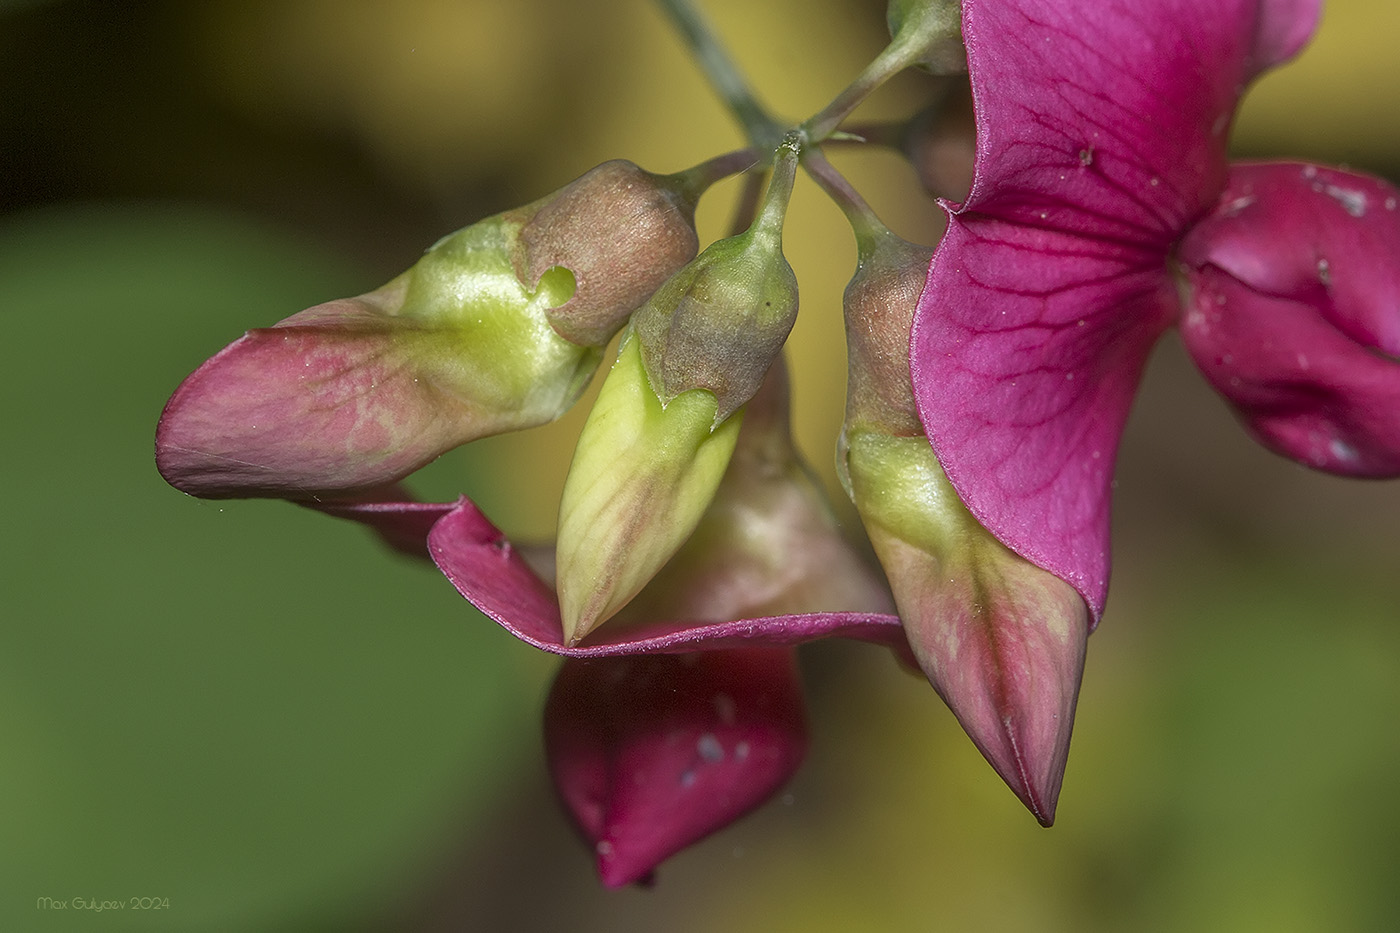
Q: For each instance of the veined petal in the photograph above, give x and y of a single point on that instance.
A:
(1101, 137)
(1027, 348)
(491, 573)
(1293, 312)
(1110, 119)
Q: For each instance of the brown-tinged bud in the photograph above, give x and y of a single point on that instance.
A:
(621, 231)
(719, 323)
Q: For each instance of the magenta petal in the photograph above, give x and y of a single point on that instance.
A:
(389, 511)
(1027, 348)
(1101, 137)
(298, 409)
(651, 754)
(1285, 26)
(490, 572)
(1109, 118)
(1294, 312)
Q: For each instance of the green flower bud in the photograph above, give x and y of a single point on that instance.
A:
(879, 302)
(768, 545)
(642, 475)
(719, 323)
(1000, 639)
(661, 434)
(487, 334)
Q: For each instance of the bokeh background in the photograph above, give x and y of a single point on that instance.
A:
(258, 717)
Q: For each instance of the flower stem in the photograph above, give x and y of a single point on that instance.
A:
(762, 131)
(697, 179)
(746, 209)
(910, 46)
(866, 225)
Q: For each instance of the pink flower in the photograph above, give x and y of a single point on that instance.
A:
(1102, 209)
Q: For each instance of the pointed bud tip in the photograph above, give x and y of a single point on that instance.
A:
(1000, 639)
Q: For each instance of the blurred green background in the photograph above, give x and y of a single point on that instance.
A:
(256, 715)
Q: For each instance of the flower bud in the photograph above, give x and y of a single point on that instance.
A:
(622, 232)
(768, 545)
(1000, 639)
(651, 753)
(470, 341)
(1292, 311)
(719, 323)
(642, 475)
(659, 438)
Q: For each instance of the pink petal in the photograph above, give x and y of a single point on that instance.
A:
(1295, 312)
(490, 572)
(1110, 119)
(1102, 131)
(651, 754)
(331, 404)
(1027, 348)
(389, 511)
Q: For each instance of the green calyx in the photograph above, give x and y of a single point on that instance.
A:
(720, 322)
(463, 317)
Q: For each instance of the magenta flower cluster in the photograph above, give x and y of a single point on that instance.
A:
(1102, 212)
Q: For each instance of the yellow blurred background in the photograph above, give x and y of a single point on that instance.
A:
(251, 712)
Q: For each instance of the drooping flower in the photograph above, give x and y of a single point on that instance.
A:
(653, 752)
(1103, 206)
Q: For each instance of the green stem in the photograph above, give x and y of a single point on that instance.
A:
(869, 230)
(909, 46)
(761, 129)
(747, 207)
(775, 200)
(697, 179)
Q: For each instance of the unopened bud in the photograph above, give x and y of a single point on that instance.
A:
(360, 392)
(621, 231)
(768, 545)
(719, 323)
(879, 311)
(642, 476)
(1000, 639)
